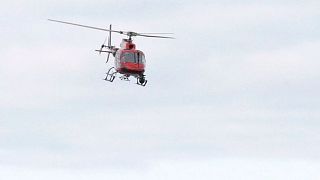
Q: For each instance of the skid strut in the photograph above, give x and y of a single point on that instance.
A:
(125, 78)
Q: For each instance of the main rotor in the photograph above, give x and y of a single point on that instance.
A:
(130, 34)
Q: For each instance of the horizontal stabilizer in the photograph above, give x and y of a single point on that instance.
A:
(104, 51)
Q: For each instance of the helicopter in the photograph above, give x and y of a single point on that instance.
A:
(129, 61)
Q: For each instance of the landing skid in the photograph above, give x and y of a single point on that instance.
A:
(142, 81)
(111, 74)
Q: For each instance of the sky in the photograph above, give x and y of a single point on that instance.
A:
(234, 96)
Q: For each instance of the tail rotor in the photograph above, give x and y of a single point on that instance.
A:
(109, 46)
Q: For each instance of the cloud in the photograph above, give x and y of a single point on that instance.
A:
(206, 169)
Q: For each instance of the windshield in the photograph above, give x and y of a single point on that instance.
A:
(137, 57)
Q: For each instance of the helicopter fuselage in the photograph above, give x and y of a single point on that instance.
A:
(129, 60)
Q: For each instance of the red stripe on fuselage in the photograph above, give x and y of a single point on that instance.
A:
(132, 67)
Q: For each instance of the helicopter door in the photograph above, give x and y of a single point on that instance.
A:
(140, 58)
(117, 61)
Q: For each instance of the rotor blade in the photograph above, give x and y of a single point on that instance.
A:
(91, 27)
(109, 42)
(155, 36)
(120, 32)
(105, 40)
(155, 33)
(108, 57)
(100, 50)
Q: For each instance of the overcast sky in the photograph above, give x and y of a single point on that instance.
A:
(234, 96)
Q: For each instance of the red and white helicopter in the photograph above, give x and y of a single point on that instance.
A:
(129, 61)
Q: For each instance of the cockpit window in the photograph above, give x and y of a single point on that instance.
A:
(137, 57)
(128, 57)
